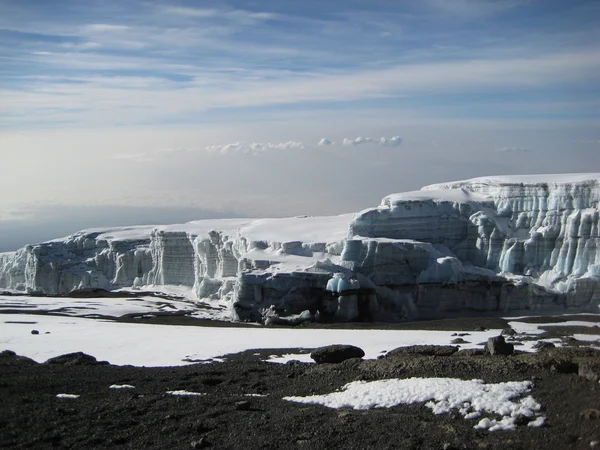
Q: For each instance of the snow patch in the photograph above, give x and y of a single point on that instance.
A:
(284, 359)
(471, 398)
(184, 393)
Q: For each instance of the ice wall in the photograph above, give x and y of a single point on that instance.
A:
(547, 230)
(481, 246)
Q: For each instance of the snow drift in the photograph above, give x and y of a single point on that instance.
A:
(480, 246)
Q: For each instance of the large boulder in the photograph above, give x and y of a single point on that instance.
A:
(336, 353)
(498, 346)
(75, 359)
(543, 345)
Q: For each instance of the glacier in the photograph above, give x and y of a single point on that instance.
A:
(519, 244)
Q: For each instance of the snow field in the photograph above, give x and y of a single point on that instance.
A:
(169, 345)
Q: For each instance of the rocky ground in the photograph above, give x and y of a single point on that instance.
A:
(242, 406)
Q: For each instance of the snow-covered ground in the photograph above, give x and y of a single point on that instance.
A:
(471, 398)
(537, 328)
(111, 307)
(164, 345)
(171, 345)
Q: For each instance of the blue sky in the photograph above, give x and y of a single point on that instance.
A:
(170, 99)
(112, 63)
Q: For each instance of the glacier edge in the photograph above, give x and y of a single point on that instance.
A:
(481, 246)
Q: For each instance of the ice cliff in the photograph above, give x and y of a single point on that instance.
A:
(481, 246)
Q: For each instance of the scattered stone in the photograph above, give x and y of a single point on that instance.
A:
(243, 405)
(509, 332)
(336, 353)
(571, 341)
(590, 370)
(543, 345)
(563, 366)
(498, 346)
(480, 328)
(35, 332)
(459, 341)
(427, 350)
(75, 359)
(200, 443)
(590, 414)
(449, 446)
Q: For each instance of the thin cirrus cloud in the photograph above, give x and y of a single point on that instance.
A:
(246, 59)
(240, 15)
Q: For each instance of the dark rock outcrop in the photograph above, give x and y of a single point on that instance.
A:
(426, 350)
(10, 358)
(543, 345)
(336, 353)
(75, 359)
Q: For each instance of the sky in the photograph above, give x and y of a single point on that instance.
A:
(143, 112)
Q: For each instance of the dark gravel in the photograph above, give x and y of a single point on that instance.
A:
(31, 416)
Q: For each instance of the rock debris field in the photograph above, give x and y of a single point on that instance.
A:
(414, 397)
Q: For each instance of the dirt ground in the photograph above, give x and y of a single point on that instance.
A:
(243, 408)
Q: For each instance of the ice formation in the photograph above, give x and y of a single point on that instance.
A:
(480, 246)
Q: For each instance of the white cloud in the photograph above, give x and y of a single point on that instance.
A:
(105, 27)
(357, 141)
(394, 141)
(254, 147)
(232, 89)
(325, 141)
(238, 15)
(191, 12)
(80, 46)
(383, 141)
